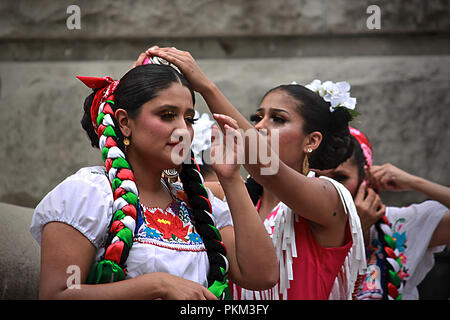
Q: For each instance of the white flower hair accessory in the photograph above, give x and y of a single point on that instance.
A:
(337, 94)
(202, 135)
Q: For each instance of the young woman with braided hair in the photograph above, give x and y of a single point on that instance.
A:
(312, 222)
(133, 235)
(400, 242)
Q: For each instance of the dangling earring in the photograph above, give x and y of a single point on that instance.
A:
(126, 141)
(171, 175)
(305, 168)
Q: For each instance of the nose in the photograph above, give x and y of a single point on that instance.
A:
(181, 124)
(263, 124)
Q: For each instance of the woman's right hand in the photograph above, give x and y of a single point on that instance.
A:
(176, 288)
(185, 62)
(369, 206)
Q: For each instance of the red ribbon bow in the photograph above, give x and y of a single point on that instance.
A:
(106, 87)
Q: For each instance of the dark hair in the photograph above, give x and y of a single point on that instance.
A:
(137, 86)
(358, 159)
(336, 145)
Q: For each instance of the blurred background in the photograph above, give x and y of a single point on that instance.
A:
(396, 59)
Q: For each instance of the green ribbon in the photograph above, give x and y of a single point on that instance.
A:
(105, 271)
(219, 287)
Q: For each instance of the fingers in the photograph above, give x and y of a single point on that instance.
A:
(172, 55)
(208, 294)
(139, 60)
(223, 119)
(371, 196)
(360, 195)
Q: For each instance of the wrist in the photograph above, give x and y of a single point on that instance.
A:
(416, 183)
(229, 181)
(208, 88)
(156, 287)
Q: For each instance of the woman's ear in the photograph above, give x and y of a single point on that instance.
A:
(312, 141)
(124, 122)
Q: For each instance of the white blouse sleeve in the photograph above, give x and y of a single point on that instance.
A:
(221, 212)
(418, 221)
(82, 201)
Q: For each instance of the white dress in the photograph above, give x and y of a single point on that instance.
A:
(165, 240)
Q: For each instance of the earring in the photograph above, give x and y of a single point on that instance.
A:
(126, 141)
(171, 175)
(305, 168)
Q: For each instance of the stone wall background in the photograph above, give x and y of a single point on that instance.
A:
(399, 74)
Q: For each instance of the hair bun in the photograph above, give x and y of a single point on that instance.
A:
(337, 145)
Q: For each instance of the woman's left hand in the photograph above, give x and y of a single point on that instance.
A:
(227, 152)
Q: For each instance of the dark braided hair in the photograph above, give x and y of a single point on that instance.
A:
(394, 271)
(136, 87)
(202, 218)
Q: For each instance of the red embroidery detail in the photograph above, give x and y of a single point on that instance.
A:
(166, 223)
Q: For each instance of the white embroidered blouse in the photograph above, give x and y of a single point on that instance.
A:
(165, 239)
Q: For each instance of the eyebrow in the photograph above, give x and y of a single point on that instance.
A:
(172, 107)
(273, 110)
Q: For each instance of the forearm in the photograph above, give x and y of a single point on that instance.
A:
(218, 103)
(433, 190)
(255, 255)
(147, 286)
(260, 158)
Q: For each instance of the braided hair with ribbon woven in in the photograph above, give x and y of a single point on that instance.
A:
(112, 266)
(125, 193)
(204, 224)
(395, 272)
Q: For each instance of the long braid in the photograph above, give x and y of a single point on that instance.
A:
(395, 271)
(204, 224)
(125, 207)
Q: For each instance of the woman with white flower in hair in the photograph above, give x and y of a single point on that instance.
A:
(312, 221)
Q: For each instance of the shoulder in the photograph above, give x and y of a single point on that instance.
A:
(427, 210)
(215, 188)
(83, 201)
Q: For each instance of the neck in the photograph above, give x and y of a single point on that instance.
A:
(148, 178)
(268, 202)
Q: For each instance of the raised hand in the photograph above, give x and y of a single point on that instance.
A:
(227, 151)
(184, 61)
(389, 177)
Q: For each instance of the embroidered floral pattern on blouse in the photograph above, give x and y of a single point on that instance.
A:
(169, 228)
